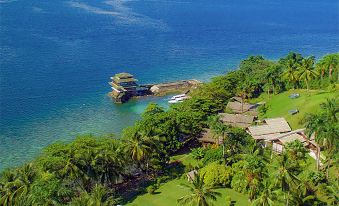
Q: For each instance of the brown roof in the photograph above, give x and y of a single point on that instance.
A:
(207, 136)
(271, 129)
(238, 99)
(237, 120)
(238, 107)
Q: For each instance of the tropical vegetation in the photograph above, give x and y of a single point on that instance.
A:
(112, 170)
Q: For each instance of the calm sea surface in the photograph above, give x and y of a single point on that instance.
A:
(57, 56)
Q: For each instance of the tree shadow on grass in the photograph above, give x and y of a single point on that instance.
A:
(137, 186)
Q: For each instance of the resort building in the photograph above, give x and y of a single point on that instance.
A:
(238, 106)
(271, 128)
(208, 138)
(124, 86)
(237, 120)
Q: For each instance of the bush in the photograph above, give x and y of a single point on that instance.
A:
(151, 189)
(217, 174)
(212, 155)
(198, 153)
(262, 109)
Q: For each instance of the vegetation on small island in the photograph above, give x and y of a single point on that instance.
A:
(151, 161)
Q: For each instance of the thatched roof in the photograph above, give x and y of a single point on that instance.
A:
(237, 120)
(123, 77)
(271, 129)
(238, 99)
(207, 136)
(292, 136)
(238, 107)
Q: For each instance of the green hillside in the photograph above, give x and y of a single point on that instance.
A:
(308, 102)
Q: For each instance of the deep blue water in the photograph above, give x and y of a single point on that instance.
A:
(57, 56)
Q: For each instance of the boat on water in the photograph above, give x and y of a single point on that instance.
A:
(178, 98)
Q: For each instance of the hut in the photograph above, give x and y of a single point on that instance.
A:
(123, 86)
(237, 120)
(238, 106)
(279, 142)
(270, 129)
(208, 138)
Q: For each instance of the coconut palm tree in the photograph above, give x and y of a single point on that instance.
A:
(218, 129)
(200, 194)
(306, 70)
(139, 148)
(267, 196)
(330, 62)
(324, 126)
(109, 162)
(272, 77)
(99, 196)
(285, 176)
(16, 184)
(290, 74)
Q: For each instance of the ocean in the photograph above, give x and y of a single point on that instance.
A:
(57, 56)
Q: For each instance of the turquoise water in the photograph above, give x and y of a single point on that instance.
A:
(57, 56)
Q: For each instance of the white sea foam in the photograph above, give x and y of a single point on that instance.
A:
(123, 14)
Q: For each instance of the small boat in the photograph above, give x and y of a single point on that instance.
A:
(173, 101)
(177, 100)
(178, 96)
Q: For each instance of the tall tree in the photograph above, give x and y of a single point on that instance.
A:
(139, 148)
(306, 70)
(267, 196)
(290, 74)
(200, 194)
(285, 176)
(330, 62)
(324, 127)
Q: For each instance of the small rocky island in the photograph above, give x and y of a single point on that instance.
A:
(124, 87)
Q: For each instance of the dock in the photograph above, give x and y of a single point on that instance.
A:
(124, 87)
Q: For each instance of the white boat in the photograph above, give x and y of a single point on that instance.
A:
(173, 101)
(177, 100)
(178, 96)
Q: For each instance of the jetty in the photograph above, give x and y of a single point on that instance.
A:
(124, 87)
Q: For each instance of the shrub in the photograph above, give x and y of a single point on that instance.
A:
(198, 153)
(151, 189)
(217, 174)
(212, 155)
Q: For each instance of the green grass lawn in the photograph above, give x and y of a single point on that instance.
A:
(308, 102)
(169, 192)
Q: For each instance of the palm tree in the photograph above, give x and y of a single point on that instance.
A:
(324, 126)
(331, 62)
(16, 185)
(290, 74)
(285, 176)
(139, 148)
(200, 194)
(218, 129)
(267, 196)
(306, 70)
(109, 162)
(272, 77)
(99, 196)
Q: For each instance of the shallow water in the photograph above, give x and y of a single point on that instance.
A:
(57, 56)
